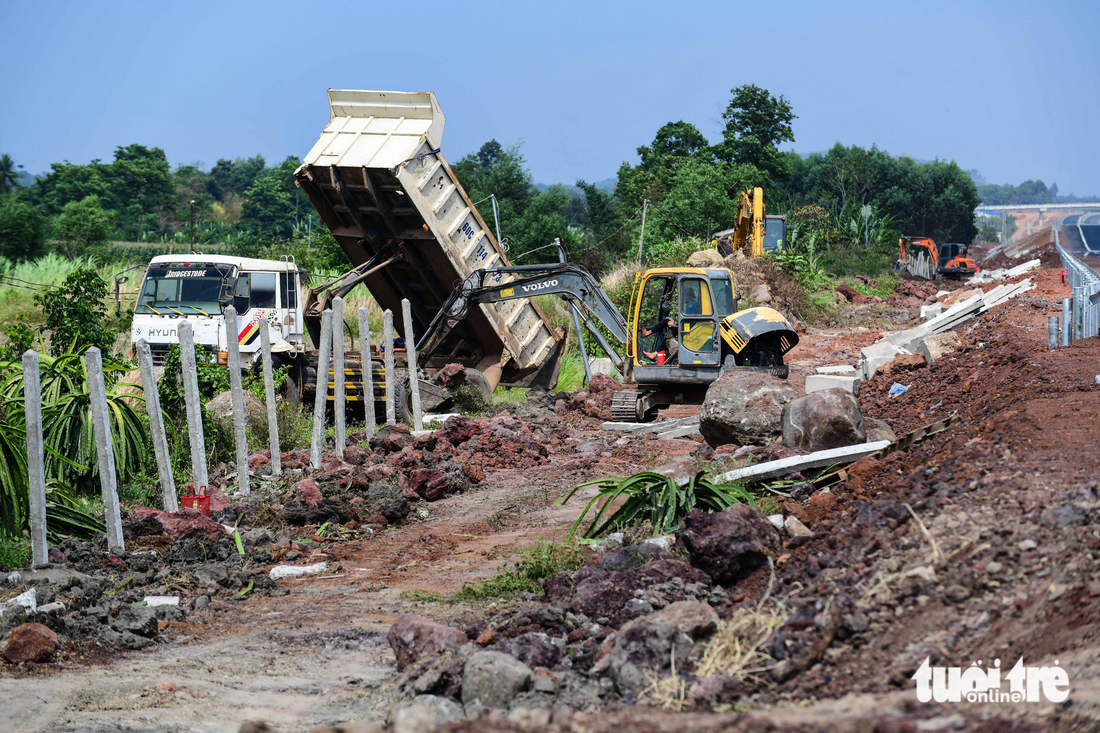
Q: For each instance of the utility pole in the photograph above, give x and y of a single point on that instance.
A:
(192, 225)
(641, 239)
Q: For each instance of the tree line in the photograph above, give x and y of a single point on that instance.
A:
(834, 199)
(839, 198)
(138, 197)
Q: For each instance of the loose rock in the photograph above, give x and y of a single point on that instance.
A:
(492, 680)
(745, 408)
(31, 643)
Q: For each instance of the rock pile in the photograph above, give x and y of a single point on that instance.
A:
(605, 632)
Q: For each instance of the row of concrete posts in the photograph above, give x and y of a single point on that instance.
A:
(102, 427)
(332, 345)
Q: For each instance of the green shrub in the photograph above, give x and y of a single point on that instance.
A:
(654, 499)
(77, 316)
(544, 560)
(15, 552)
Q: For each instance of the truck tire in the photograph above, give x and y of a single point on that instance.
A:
(402, 404)
(477, 379)
(292, 388)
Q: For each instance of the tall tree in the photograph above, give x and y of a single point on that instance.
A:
(9, 174)
(756, 123)
(83, 225)
(267, 207)
(502, 172)
(22, 229)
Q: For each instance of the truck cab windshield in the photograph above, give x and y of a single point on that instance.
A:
(181, 290)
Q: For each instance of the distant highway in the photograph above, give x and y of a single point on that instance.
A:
(1080, 234)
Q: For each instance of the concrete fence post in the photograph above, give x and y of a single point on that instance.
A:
(1052, 332)
(321, 402)
(269, 399)
(101, 424)
(387, 346)
(338, 375)
(36, 457)
(367, 367)
(410, 360)
(1067, 321)
(156, 426)
(193, 402)
(236, 394)
(1078, 312)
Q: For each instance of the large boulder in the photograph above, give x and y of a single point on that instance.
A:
(182, 524)
(412, 636)
(604, 593)
(221, 408)
(706, 258)
(392, 438)
(31, 643)
(827, 419)
(645, 649)
(731, 544)
(492, 680)
(307, 492)
(878, 430)
(695, 618)
(744, 408)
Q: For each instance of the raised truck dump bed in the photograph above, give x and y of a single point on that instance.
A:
(380, 183)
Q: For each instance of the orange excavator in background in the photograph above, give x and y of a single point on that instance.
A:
(920, 259)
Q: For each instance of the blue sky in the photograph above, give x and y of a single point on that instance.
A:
(1007, 88)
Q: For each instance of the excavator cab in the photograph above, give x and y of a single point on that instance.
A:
(710, 332)
(953, 261)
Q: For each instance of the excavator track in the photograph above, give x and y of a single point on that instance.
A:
(624, 405)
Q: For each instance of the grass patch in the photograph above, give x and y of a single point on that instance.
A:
(544, 560)
(654, 499)
(510, 394)
(15, 552)
(571, 376)
(423, 596)
(884, 286)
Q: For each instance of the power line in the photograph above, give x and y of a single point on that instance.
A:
(671, 221)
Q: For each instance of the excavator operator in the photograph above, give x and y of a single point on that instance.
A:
(665, 328)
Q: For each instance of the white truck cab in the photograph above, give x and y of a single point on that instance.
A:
(198, 287)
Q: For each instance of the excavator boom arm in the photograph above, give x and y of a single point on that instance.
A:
(569, 282)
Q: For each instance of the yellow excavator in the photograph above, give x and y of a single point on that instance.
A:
(684, 328)
(754, 232)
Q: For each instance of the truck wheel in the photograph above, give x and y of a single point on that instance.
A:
(477, 379)
(402, 404)
(292, 388)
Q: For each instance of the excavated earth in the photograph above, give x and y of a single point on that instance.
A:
(979, 543)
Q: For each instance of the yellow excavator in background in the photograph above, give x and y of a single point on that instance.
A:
(754, 232)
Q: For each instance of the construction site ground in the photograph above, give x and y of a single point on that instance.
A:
(997, 514)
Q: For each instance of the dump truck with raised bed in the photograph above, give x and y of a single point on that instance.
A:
(382, 187)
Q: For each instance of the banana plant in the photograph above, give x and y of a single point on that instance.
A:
(654, 498)
(68, 433)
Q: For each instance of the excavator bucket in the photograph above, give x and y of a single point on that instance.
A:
(917, 258)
